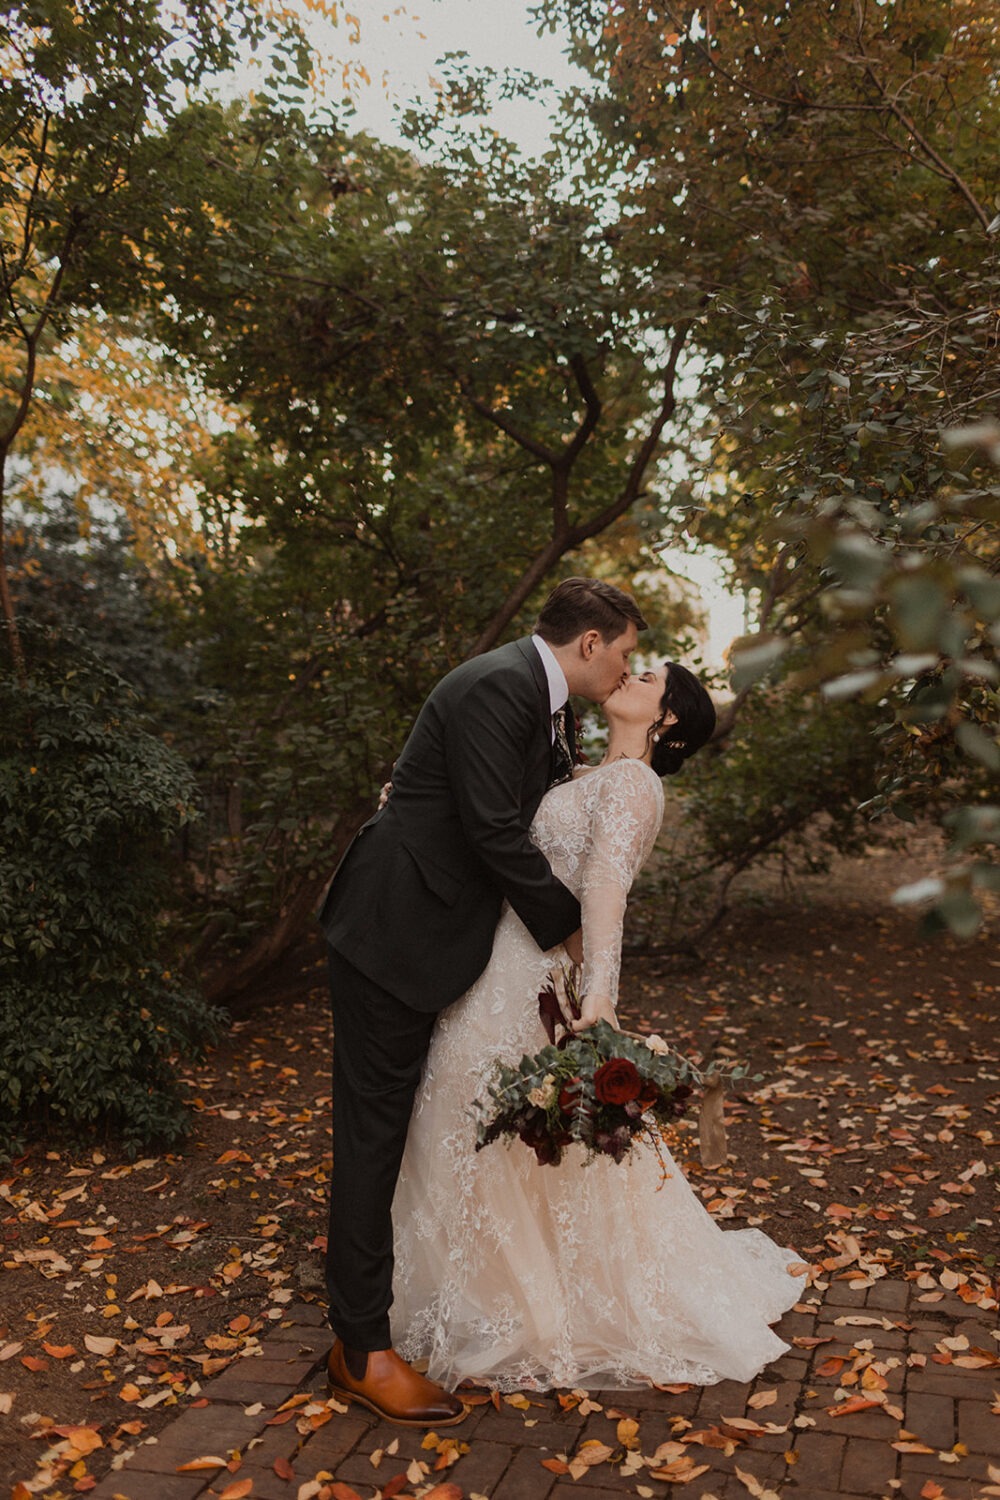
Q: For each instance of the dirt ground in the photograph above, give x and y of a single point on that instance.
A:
(869, 1139)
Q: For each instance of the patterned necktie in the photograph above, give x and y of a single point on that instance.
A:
(562, 760)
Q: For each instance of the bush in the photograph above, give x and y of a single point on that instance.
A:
(90, 1019)
(786, 784)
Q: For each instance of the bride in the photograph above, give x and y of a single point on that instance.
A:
(521, 1275)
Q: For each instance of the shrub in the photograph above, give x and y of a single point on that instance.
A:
(90, 1019)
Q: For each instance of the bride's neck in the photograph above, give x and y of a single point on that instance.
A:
(627, 744)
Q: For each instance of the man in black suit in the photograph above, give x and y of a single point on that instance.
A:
(409, 921)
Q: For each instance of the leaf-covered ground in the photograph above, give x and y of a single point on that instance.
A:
(869, 1146)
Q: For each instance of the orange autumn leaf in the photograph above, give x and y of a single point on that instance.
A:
(339, 1491)
(59, 1351)
(197, 1465)
(555, 1465)
(444, 1491)
(847, 1408)
(394, 1485)
(237, 1491)
(832, 1365)
(283, 1468)
(32, 1362)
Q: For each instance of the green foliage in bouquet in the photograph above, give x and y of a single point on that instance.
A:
(601, 1089)
(91, 1017)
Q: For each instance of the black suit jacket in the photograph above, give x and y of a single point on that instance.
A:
(415, 902)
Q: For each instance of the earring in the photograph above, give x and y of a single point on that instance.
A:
(656, 739)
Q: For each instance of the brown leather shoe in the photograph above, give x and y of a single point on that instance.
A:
(393, 1391)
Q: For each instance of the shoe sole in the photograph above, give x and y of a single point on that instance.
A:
(338, 1391)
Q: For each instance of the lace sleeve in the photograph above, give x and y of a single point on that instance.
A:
(626, 819)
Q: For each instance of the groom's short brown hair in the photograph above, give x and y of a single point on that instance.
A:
(579, 604)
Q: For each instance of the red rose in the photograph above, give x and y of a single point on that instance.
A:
(617, 1081)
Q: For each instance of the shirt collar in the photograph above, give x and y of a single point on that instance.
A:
(558, 686)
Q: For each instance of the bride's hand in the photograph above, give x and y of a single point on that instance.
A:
(596, 1008)
(574, 947)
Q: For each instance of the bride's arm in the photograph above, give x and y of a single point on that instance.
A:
(626, 821)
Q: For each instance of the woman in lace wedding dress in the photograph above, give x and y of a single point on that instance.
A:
(521, 1275)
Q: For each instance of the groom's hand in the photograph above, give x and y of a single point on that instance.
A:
(574, 947)
(596, 1008)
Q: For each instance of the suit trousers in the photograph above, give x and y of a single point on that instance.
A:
(379, 1047)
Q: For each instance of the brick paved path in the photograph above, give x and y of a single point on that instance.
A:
(886, 1339)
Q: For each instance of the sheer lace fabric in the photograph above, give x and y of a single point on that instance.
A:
(590, 1276)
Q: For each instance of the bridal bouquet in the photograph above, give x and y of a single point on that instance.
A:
(601, 1088)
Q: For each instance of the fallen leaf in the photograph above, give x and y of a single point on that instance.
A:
(98, 1345)
(755, 1486)
(237, 1491)
(593, 1452)
(848, 1408)
(627, 1432)
(761, 1399)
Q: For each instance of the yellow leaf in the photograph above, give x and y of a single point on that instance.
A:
(628, 1429)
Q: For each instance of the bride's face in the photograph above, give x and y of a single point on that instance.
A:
(637, 701)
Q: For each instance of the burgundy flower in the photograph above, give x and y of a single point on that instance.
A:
(569, 1096)
(614, 1143)
(648, 1096)
(617, 1081)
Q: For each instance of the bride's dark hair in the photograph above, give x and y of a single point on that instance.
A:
(688, 699)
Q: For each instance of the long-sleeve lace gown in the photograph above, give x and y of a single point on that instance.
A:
(577, 1275)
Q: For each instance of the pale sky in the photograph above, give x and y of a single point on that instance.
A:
(402, 46)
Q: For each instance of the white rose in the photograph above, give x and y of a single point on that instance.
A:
(543, 1095)
(656, 1044)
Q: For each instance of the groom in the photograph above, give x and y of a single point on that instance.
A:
(409, 921)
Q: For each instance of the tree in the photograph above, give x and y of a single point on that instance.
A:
(446, 392)
(817, 174)
(84, 174)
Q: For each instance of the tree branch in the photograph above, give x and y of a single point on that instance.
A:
(944, 168)
(530, 444)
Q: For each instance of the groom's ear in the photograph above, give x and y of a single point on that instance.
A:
(588, 643)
